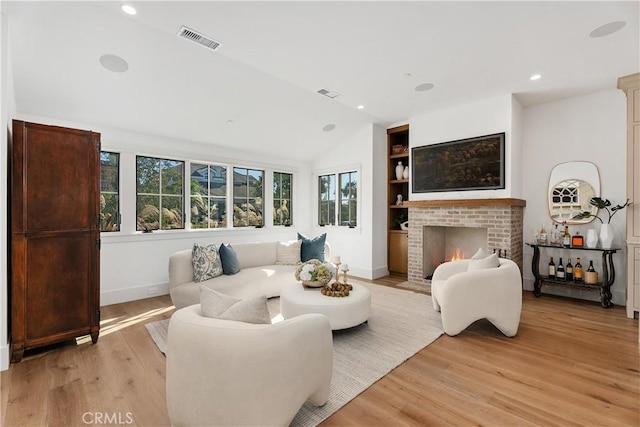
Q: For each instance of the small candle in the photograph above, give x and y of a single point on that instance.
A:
(344, 267)
(336, 259)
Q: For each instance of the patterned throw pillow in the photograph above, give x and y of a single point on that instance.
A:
(206, 262)
(288, 253)
(312, 248)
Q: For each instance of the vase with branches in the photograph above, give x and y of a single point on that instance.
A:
(602, 204)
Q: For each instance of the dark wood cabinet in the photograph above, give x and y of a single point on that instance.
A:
(55, 235)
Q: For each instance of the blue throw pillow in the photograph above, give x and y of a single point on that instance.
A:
(312, 248)
(230, 263)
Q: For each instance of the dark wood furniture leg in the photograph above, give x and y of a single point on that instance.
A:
(537, 284)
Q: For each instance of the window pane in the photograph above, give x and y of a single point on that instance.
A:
(148, 173)
(109, 219)
(160, 200)
(327, 199)
(109, 191)
(148, 208)
(348, 199)
(208, 196)
(248, 194)
(282, 198)
(172, 172)
(199, 179)
(171, 213)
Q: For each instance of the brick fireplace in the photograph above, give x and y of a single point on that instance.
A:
(502, 219)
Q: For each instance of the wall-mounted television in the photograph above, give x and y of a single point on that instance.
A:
(466, 164)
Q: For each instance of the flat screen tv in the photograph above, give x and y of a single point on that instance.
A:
(466, 164)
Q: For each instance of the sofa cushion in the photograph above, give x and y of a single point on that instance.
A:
(229, 259)
(220, 306)
(288, 253)
(492, 261)
(312, 248)
(206, 262)
(480, 254)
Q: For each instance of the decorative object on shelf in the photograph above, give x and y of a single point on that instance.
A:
(344, 268)
(591, 276)
(554, 235)
(577, 240)
(405, 174)
(313, 273)
(337, 290)
(399, 200)
(606, 234)
(542, 236)
(602, 204)
(404, 226)
(592, 238)
(399, 149)
(566, 237)
(399, 170)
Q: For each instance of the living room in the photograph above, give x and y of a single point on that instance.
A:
(574, 112)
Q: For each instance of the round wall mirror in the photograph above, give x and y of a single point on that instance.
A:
(571, 187)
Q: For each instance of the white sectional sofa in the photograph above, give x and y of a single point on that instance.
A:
(259, 274)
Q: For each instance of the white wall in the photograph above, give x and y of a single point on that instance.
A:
(590, 128)
(485, 117)
(7, 110)
(133, 264)
(356, 245)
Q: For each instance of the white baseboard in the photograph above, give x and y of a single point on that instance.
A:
(4, 356)
(131, 294)
(380, 272)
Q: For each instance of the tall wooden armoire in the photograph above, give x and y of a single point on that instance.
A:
(55, 235)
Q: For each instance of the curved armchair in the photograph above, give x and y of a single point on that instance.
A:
(465, 296)
(227, 373)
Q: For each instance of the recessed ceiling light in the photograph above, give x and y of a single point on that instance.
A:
(535, 77)
(128, 9)
(424, 87)
(407, 74)
(329, 127)
(360, 107)
(230, 122)
(607, 29)
(114, 63)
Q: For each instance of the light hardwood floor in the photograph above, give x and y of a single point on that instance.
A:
(572, 363)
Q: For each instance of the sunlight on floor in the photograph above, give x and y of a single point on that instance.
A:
(108, 326)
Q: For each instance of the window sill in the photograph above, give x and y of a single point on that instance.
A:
(158, 235)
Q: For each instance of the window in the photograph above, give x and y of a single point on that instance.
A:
(109, 191)
(159, 194)
(208, 196)
(349, 199)
(282, 198)
(248, 196)
(338, 208)
(327, 200)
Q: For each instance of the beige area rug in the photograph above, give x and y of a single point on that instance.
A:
(413, 286)
(401, 324)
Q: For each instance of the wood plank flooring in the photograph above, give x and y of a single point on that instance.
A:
(571, 364)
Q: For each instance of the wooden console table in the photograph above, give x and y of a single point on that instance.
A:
(604, 286)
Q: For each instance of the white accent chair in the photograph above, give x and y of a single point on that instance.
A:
(464, 296)
(228, 373)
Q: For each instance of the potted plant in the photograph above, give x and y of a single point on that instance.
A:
(606, 236)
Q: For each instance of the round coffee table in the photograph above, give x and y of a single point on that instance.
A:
(343, 312)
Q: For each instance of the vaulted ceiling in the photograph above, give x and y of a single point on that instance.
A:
(258, 90)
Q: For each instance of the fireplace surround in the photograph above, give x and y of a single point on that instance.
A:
(502, 219)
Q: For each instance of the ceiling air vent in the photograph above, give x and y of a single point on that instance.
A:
(197, 38)
(328, 93)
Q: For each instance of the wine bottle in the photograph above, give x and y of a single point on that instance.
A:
(560, 270)
(591, 276)
(568, 271)
(577, 271)
(552, 269)
(542, 236)
(566, 237)
(590, 269)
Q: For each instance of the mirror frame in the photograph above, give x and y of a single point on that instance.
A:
(575, 170)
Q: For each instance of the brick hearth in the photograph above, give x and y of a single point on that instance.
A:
(502, 218)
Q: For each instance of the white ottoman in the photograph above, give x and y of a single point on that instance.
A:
(345, 312)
